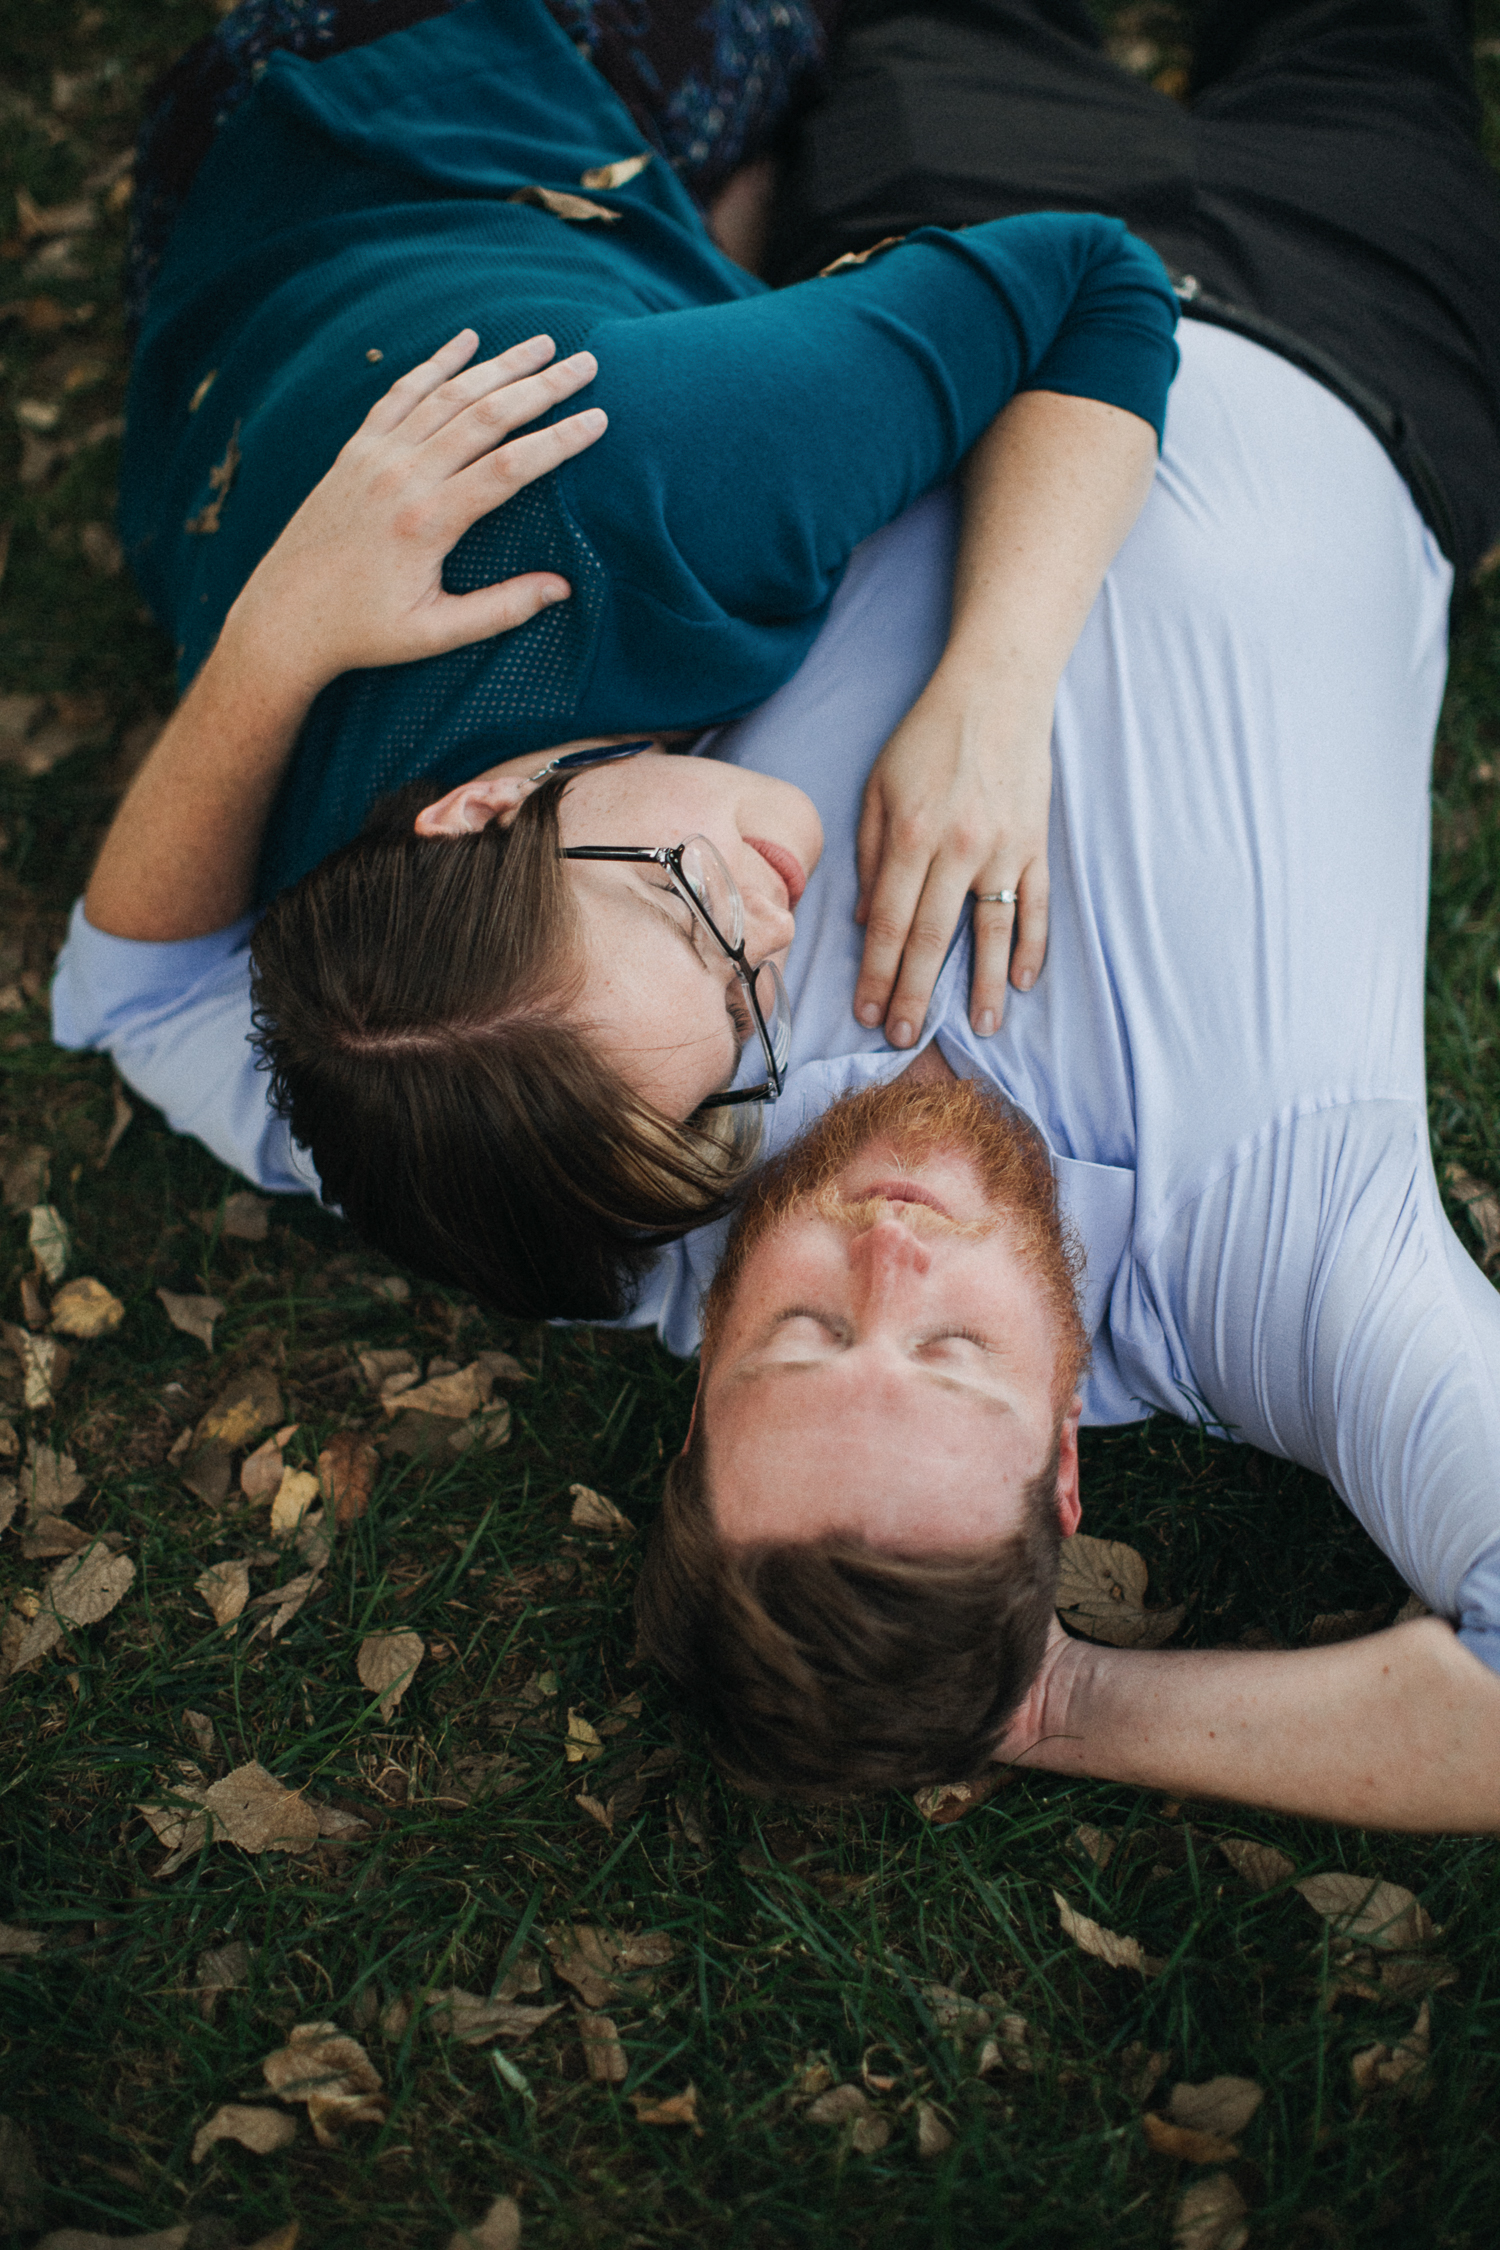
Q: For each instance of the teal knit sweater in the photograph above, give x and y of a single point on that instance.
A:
(361, 207)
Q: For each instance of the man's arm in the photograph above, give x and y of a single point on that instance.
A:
(355, 580)
(1398, 1730)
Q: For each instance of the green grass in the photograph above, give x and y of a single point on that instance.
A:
(799, 1941)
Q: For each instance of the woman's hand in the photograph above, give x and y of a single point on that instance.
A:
(356, 578)
(956, 803)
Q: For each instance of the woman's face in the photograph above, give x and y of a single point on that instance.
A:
(659, 997)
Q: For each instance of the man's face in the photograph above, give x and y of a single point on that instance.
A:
(882, 1357)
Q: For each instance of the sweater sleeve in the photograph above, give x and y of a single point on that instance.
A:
(753, 445)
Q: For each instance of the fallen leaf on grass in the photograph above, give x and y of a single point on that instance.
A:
(387, 1664)
(583, 1744)
(1360, 1906)
(49, 1536)
(1481, 1206)
(296, 1493)
(1140, 2068)
(1105, 1945)
(85, 1308)
(499, 2229)
(1094, 1844)
(10, 1500)
(248, 1404)
(594, 1810)
(602, 1967)
(51, 1244)
(378, 1367)
(284, 1602)
(24, 1180)
(50, 1481)
(674, 2109)
(1259, 1865)
(79, 1592)
(222, 1968)
(617, 174)
(347, 1468)
(592, 1512)
(44, 1366)
(1374, 2068)
(10, 1444)
(226, 1589)
(243, 1217)
(16, 1943)
(251, 1808)
(1211, 2216)
(260, 1471)
(942, 1802)
(1101, 1593)
(454, 1396)
(604, 2058)
(471, 2019)
(262, 2131)
(332, 2074)
(954, 2011)
(850, 2105)
(933, 2136)
(194, 1316)
(1219, 2105)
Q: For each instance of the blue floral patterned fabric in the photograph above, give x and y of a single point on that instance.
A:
(708, 82)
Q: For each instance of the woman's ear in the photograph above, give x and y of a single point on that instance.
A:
(474, 804)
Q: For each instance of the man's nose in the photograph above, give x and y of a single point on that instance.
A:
(887, 1252)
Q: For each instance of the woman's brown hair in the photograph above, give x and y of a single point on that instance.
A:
(412, 999)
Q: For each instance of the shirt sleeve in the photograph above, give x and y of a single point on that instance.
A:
(753, 445)
(1317, 1303)
(176, 1018)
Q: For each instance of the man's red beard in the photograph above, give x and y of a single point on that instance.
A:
(918, 1121)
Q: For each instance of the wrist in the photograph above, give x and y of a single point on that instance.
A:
(257, 655)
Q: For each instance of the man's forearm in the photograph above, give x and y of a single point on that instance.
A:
(1397, 1730)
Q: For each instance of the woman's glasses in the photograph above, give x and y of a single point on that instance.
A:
(700, 876)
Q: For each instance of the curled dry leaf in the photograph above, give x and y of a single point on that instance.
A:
(260, 1471)
(592, 1512)
(618, 174)
(1105, 1945)
(454, 1396)
(1210, 2215)
(471, 2019)
(1374, 2068)
(79, 1592)
(1220, 2105)
(1259, 1865)
(604, 2057)
(933, 2136)
(85, 1308)
(347, 1468)
(1006, 2045)
(583, 1744)
(262, 2131)
(575, 208)
(285, 1602)
(16, 1943)
(51, 1243)
(1101, 1593)
(194, 1316)
(944, 1801)
(296, 1493)
(674, 2109)
(332, 2074)
(225, 1587)
(1383, 1914)
(499, 2229)
(44, 1366)
(387, 1664)
(1095, 1844)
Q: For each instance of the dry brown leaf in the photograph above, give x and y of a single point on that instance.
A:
(1105, 1945)
(594, 1810)
(955, 2011)
(225, 1587)
(575, 208)
(1210, 2215)
(44, 1366)
(10, 1500)
(1379, 2067)
(1262, 1866)
(1360, 1906)
(933, 2136)
(242, 1216)
(618, 174)
(503, 1367)
(1140, 2068)
(222, 1968)
(499, 2229)
(592, 1512)
(1095, 1844)
(673, 2109)
(24, 1178)
(942, 1802)
(1481, 1206)
(1101, 1593)
(51, 1243)
(1185, 2144)
(295, 1495)
(285, 1602)
(79, 1592)
(121, 1117)
(243, 1408)
(194, 1316)
(251, 1808)
(322, 2066)
(1331, 1625)
(583, 1744)
(378, 1367)
(260, 1471)
(347, 1469)
(10, 1444)
(604, 2057)
(472, 2019)
(85, 1308)
(1219, 2105)
(46, 1537)
(16, 1943)
(455, 1397)
(387, 1664)
(262, 2131)
(838, 2105)
(1408, 1977)
(33, 219)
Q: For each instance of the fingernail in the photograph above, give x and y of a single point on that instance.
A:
(868, 1012)
(1026, 979)
(901, 1035)
(984, 1022)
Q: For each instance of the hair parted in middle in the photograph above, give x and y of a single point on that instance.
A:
(419, 1006)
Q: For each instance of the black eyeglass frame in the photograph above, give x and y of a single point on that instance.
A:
(669, 856)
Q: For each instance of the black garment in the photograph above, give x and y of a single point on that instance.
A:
(1321, 189)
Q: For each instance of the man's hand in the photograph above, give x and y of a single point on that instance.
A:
(356, 578)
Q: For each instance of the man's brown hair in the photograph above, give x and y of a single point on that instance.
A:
(828, 1667)
(413, 998)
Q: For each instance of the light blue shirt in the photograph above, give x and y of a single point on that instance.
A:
(1225, 1049)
